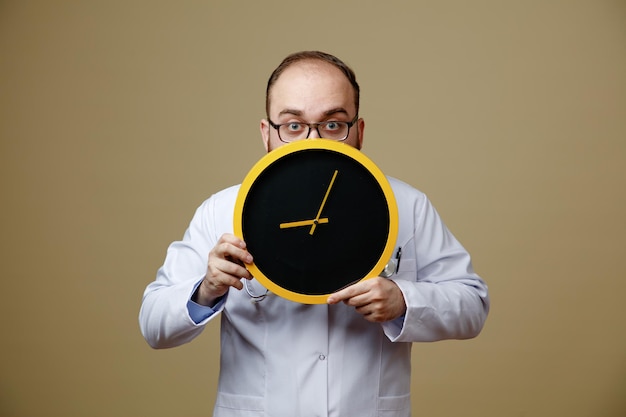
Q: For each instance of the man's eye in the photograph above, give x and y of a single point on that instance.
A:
(294, 127)
(331, 125)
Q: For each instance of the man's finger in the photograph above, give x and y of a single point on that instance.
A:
(345, 294)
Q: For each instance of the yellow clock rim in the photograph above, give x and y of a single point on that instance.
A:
(316, 144)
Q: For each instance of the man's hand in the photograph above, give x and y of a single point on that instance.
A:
(377, 299)
(226, 268)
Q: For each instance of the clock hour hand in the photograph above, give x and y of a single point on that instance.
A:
(319, 212)
(303, 223)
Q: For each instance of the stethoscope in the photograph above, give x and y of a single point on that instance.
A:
(254, 298)
(393, 265)
(391, 268)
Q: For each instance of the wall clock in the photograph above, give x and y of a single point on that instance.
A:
(317, 215)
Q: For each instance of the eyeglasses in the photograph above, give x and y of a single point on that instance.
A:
(289, 132)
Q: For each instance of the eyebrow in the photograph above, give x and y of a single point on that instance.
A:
(326, 113)
(335, 111)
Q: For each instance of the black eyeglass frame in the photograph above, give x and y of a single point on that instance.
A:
(313, 125)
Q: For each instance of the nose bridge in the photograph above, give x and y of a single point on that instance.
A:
(314, 133)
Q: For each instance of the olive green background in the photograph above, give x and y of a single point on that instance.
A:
(118, 118)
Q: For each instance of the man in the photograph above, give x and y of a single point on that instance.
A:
(350, 357)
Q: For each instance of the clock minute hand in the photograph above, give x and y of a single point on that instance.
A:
(303, 223)
(319, 212)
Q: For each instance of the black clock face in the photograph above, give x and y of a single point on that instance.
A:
(316, 220)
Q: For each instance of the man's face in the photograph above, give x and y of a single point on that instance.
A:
(311, 92)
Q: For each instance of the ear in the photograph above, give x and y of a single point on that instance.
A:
(265, 134)
(361, 127)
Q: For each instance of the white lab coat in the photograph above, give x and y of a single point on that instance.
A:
(280, 358)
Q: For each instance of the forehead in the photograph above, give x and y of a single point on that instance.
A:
(311, 86)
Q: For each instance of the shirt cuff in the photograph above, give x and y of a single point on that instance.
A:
(198, 312)
(393, 328)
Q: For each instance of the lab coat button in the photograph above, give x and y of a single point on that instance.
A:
(322, 357)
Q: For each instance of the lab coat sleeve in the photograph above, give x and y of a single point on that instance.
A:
(164, 317)
(445, 298)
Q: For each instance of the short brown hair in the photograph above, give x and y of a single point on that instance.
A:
(312, 55)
